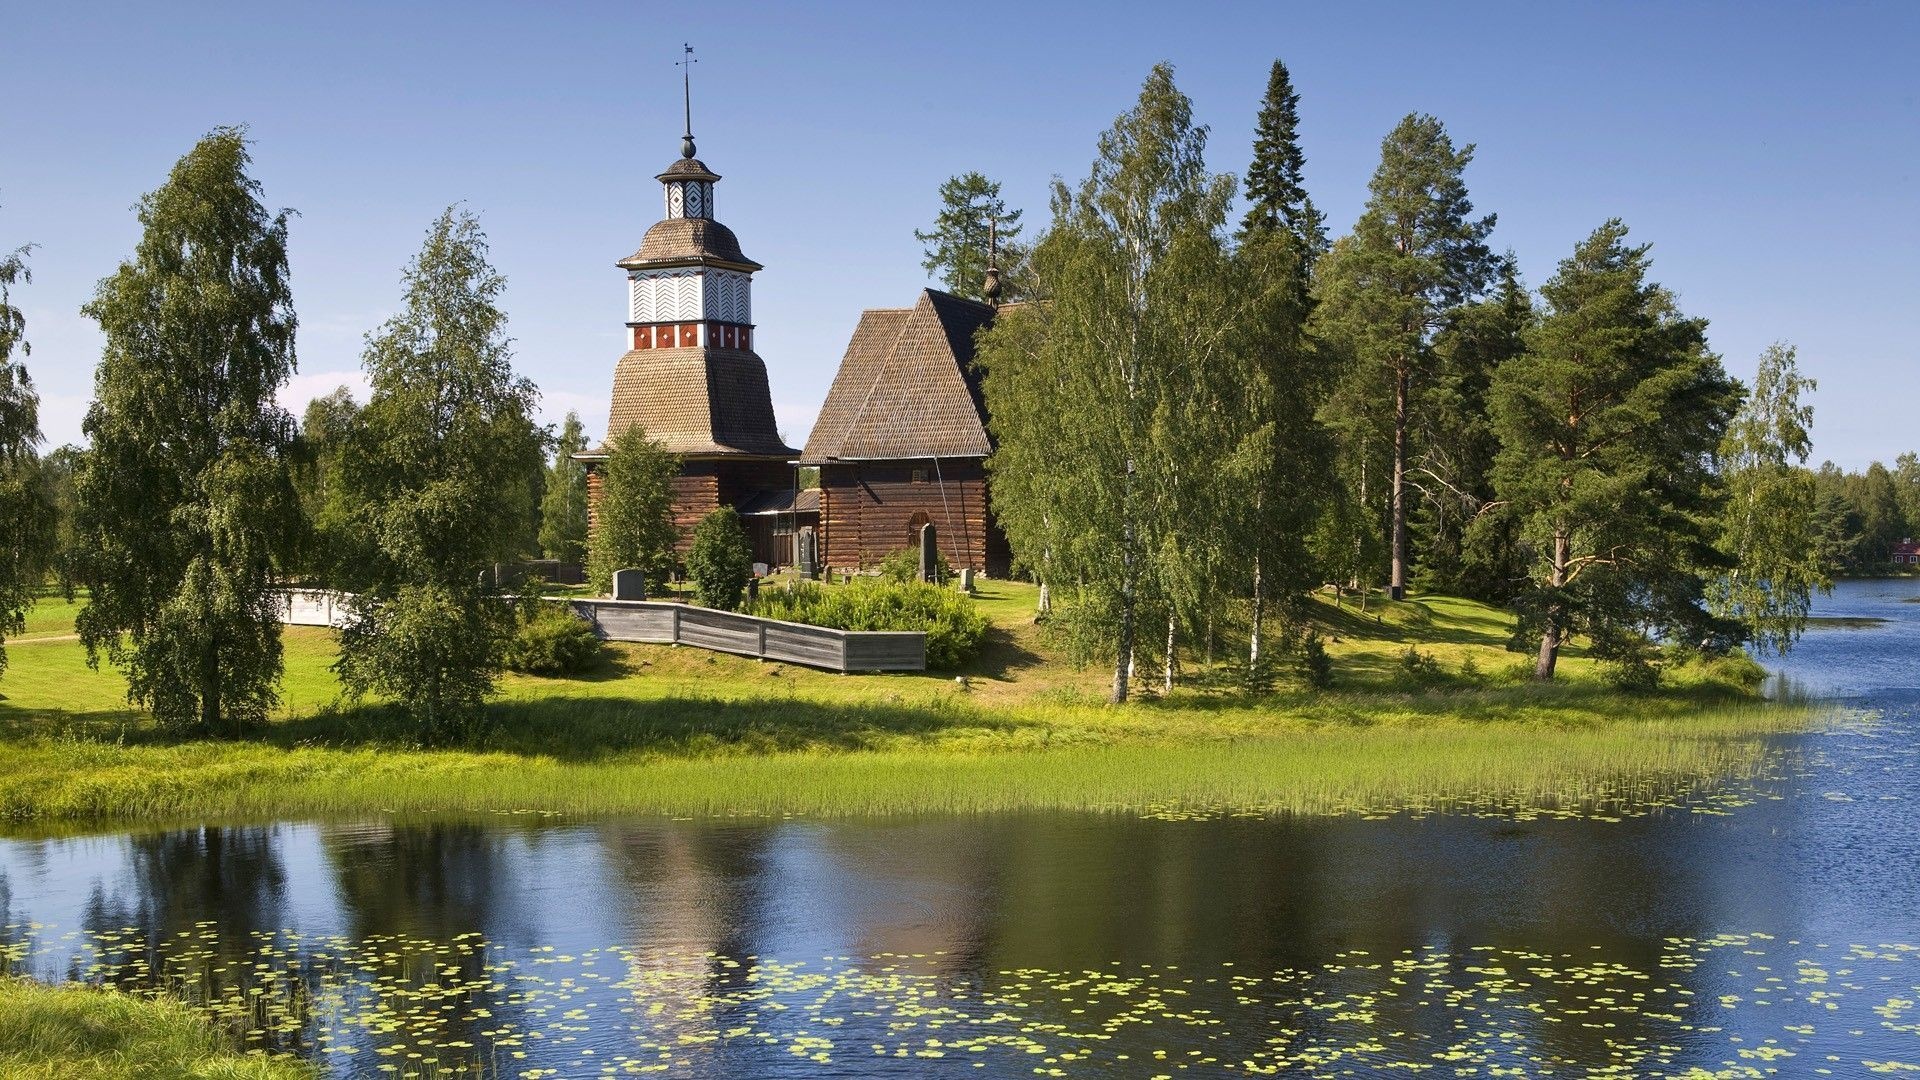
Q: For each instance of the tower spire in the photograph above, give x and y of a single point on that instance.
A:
(991, 286)
(687, 60)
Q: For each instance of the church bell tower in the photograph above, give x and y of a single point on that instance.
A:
(690, 377)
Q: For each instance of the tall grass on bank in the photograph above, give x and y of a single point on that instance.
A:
(944, 758)
(80, 1033)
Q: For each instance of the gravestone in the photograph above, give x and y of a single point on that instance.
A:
(966, 580)
(629, 585)
(929, 554)
(809, 554)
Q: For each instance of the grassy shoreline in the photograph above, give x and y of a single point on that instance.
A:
(70, 1032)
(686, 733)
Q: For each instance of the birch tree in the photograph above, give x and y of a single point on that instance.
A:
(184, 503)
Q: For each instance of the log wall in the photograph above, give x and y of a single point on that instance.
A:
(870, 510)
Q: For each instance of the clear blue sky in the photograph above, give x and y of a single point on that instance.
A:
(1769, 152)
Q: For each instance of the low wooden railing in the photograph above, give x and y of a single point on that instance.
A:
(749, 635)
(660, 623)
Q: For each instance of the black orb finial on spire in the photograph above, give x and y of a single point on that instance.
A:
(685, 65)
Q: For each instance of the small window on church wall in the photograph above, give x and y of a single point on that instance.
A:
(919, 476)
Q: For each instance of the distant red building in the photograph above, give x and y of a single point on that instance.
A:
(1906, 553)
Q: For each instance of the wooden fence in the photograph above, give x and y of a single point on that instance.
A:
(659, 623)
(749, 635)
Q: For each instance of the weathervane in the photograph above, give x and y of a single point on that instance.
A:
(685, 65)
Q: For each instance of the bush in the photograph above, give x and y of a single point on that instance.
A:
(953, 624)
(1319, 665)
(1418, 667)
(720, 562)
(550, 639)
(903, 566)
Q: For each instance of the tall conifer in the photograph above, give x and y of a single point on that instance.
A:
(1276, 190)
(1416, 254)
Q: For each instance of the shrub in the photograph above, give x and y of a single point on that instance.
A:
(953, 624)
(1419, 667)
(550, 639)
(1319, 665)
(904, 566)
(720, 562)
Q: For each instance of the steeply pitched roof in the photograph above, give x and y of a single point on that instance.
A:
(697, 401)
(907, 387)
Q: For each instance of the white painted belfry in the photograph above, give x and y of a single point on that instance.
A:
(690, 199)
(687, 294)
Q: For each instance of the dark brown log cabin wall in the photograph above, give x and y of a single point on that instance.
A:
(704, 484)
(868, 510)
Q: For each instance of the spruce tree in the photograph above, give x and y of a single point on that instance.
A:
(1771, 526)
(633, 526)
(1416, 254)
(1276, 189)
(1608, 428)
(435, 477)
(26, 515)
(972, 215)
(563, 508)
(184, 501)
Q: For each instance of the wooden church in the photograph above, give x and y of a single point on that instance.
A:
(900, 443)
(902, 440)
(690, 378)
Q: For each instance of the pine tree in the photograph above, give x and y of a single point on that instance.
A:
(1415, 255)
(184, 501)
(1466, 549)
(1608, 426)
(633, 527)
(1276, 186)
(436, 479)
(26, 517)
(563, 508)
(972, 217)
(1771, 526)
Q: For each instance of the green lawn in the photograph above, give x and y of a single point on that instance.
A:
(683, 731)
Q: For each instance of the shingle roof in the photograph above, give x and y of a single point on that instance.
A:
(683, 241)
(907, 387)
(687, 169)
(697, 401)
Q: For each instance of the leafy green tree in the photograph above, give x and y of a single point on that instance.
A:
(1877, 498)
(26, 534)
(1608, 426)
(1771, 525)
(1416, 254)
(327, 430)
(1906, 490)
(972, 214)
(1102, 398)
(434, 476)
(720, 560)
(59, 476)
(563, 508)
(1276, 190)
(633, 526)
(184, 501)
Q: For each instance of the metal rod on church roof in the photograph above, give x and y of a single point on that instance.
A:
(686, 85)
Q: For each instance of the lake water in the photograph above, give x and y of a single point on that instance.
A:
(1779, 938)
